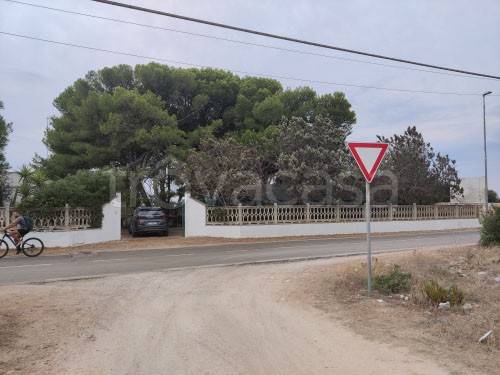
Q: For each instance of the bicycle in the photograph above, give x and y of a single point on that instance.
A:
(31, 247)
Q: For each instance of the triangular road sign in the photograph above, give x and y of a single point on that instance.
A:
(368, 156)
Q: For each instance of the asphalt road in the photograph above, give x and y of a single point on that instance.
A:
(48, 268)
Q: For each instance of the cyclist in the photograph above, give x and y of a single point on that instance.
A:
(17, 227)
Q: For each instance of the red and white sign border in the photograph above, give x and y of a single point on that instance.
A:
(369, 175)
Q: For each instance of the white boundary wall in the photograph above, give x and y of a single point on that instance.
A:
(110, 229)
(195, 226)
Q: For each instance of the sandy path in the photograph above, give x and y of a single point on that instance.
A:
(234, 320)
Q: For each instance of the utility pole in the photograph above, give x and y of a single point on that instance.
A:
(46, 131)
(485, 153)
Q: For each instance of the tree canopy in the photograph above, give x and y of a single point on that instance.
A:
(312, 158)
(118, 114)
(229, 136)
(423, 176)
(220, 170)
(5, 130)
(493, 196)
(295, 161)
(117, 128)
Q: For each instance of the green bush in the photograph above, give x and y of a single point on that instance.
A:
(83, 189)
(395, 281)
(456, 296)
(490, 231)
(219, 214)
(437, 294)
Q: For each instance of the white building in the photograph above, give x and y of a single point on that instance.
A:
(473, 191)
(13, 181)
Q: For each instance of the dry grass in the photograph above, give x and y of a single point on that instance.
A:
(450, 336)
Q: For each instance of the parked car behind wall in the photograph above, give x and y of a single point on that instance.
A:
(148, 220)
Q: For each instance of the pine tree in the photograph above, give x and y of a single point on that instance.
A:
(5, 130)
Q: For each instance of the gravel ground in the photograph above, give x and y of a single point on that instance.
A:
(408, 319)
(232, 320)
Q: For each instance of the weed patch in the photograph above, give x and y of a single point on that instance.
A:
(395, 281)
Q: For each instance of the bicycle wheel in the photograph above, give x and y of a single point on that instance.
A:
(33, 247)
(4, 248)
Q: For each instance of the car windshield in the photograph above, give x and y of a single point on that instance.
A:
(150, 212)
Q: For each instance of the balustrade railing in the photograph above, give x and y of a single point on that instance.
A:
(277, 214)
(60, 218)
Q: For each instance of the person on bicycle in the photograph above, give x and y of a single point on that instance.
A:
(17, 227)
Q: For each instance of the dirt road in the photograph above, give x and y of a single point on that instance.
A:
(232, 320)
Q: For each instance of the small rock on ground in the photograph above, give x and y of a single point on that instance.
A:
(444, 306)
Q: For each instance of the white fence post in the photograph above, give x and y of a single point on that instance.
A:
(240, 214)
(414, 211)
(457, 211)
(436, 211)
(308, 213)
(391, 212)
(337, 213)
(66, 216)
(275, 213)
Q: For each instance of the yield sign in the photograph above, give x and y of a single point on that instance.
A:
(368, 155)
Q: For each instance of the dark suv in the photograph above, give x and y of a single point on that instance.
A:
(148, 220)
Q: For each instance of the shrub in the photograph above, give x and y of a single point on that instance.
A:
(395, 281)
(219, 214)
(456, 296)
(490, 231)
(90, 189)
(436, 294)
(83, 189)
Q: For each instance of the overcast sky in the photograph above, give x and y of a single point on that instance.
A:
(460, 34)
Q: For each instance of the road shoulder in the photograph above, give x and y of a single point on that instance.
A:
(216, 321)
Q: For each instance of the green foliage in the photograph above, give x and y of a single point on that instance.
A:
(437, 294)
(219, 171)
(490, 230)
(110, 78)
(395, 281)
(295, 154)
(424, 177)
(219, 214)
(135, 118)
(493, 196)
(115, 128)
(268, 111)
(115, 115)
(83, 189)
(266, 151)
(5, 130)
(311, 156)
(456, 296)
(30, 181)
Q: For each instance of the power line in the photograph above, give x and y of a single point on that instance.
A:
(303, 80)
(302, 52)
(290, 39)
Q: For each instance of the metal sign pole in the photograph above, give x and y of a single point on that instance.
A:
(368, 156)
(368, 239)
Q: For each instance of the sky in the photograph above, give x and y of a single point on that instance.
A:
(460, 34)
